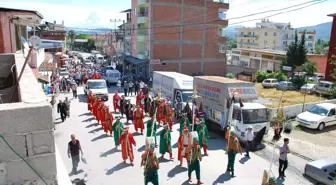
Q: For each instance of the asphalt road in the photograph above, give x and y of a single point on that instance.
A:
(105, 165)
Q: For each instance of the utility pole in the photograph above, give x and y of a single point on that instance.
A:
(124, 43)
(115, 29)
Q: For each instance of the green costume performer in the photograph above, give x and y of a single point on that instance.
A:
(194, 163)
(118, 130)
(149, 129)
(203, 136)
(233, 148)
(151, 164)
(165, 141)
(187, 123)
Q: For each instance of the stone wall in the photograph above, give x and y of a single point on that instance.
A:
(28, 128)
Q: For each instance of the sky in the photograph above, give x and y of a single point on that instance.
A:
(97, 13)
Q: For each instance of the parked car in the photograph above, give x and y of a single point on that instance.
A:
(318, 117)
(98, 88)
(308, 88)
(284, 85)
(323, 171)
(316, 78)
(324, 88)
(269, 83)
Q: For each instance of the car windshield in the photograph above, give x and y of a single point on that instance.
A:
(97, 85)
(308, 86)
(254, 116)
(267, 81)
(318, 110)
(187, 96)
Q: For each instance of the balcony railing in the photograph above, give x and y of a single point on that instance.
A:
(142, 31)
(248, 35)
(142, 14)
(288, 38)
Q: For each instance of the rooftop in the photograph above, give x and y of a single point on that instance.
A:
(220, 79)
(332, 15)
(4, 9)
(268, 51)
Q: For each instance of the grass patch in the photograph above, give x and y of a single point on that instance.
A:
(290, 97)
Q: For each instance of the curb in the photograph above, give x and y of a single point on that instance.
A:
(292, 152)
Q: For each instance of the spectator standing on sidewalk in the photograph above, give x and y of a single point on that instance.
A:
(249, 135)
(62, 110)
(136, 87)
(125, 88)
(283, 160)
(142, 85)
(130, 87)
(119, 86)
(73, 151)
(74, 91)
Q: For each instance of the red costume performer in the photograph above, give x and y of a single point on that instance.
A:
(169, 116)
(100, 111)
(139, 98)
(102, 117)
(184, 145)
(138, 117)
(126, 140)
(89, 101)
(116, 100)
(109, 120)
(94, 106)
(160, 116)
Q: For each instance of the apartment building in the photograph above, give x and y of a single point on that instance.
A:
(269, 60)
(126, 27)
(180, 35)
(332, 49)
(271, 35)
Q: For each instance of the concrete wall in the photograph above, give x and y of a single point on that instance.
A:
(28, 128)
(238, 69)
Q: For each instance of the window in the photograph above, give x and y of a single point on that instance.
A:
(332, 112)
(273, 41)
(236, 114)
(266, 34)
(241, 33)
(274, 34)
(265, 41)
(134, 12)
(248, 40)
(249, 33)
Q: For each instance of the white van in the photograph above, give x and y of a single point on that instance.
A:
(98, 88)
(318, 117)
(99, 58)
(112, 76)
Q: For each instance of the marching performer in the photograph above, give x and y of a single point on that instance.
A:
(184, 145)
(116, 101)
(203, 134)
(233, 147)
(168, 115)
(118, 130)
(95, 107)
(195, 158)
(138, 119)
(184, 123)
(103, 117)
(89, 100)
(139, 99)
(122, 105)
(99, 111)
(165, 141)
(149, 127)
(151, 165)
(126, 140)
(108, 120)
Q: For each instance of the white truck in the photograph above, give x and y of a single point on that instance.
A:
(215, 93)
(175, 86)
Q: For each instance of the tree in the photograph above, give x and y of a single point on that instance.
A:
(72, 36)
(333, 71)
(85, 46)
(309, 67)
(292, 52)
(301, 51)
(296, 52)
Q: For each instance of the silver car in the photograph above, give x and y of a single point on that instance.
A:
(323, 171)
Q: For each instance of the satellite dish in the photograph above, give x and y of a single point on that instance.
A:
(35, 41)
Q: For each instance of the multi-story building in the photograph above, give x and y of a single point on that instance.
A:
(270, 35)
(188, 41)
(126, 27)
(332, 49)
(269, 60)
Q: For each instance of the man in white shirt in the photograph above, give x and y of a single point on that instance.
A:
(283, 160)
(249, 135)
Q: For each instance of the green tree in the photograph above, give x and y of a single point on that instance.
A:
(71, 35)
(85, 46)
(309, 67)
(296, 52)
(301, 51)
(292, 52)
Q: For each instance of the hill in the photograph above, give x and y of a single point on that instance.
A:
(230, 31)
(322, 30)
(89, 31)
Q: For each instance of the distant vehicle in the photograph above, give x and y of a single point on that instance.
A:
(284, 85)
(316, 78)
(112, 76)
(324, 88)
(318, 117)
(99, 58)
(269, 83)
(98, 88)
(308, 88)
(64, 74)
(323, 171)
(109, 68)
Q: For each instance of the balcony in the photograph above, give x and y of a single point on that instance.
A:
(142, 18)
(287, 38)
(141, 37)
(251, 36)
(142, 55)
(143, 2)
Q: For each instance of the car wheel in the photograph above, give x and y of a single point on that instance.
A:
(321, 126)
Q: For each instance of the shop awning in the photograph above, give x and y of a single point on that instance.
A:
(43, 79)
(134, 60)
(49, 44)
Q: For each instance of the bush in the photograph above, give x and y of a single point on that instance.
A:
(280, 76)
(229, 75)
(298, 82)
(261, 76)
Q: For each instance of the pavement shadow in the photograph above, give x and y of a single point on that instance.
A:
(216, 144)
(89, 119)
(314, 131)
(110, 152)
(175, 145)
(244, 160)
(280, 181)
(82, 98)
(58, 122)
(136, 134)
(176, 170)
(141, 149)
(92, 125)
(222, 178)
(96, 130)
(78, 172)
(164, 160)
(85, 114)
(186, 182)
(100, 137)
(118, 167)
